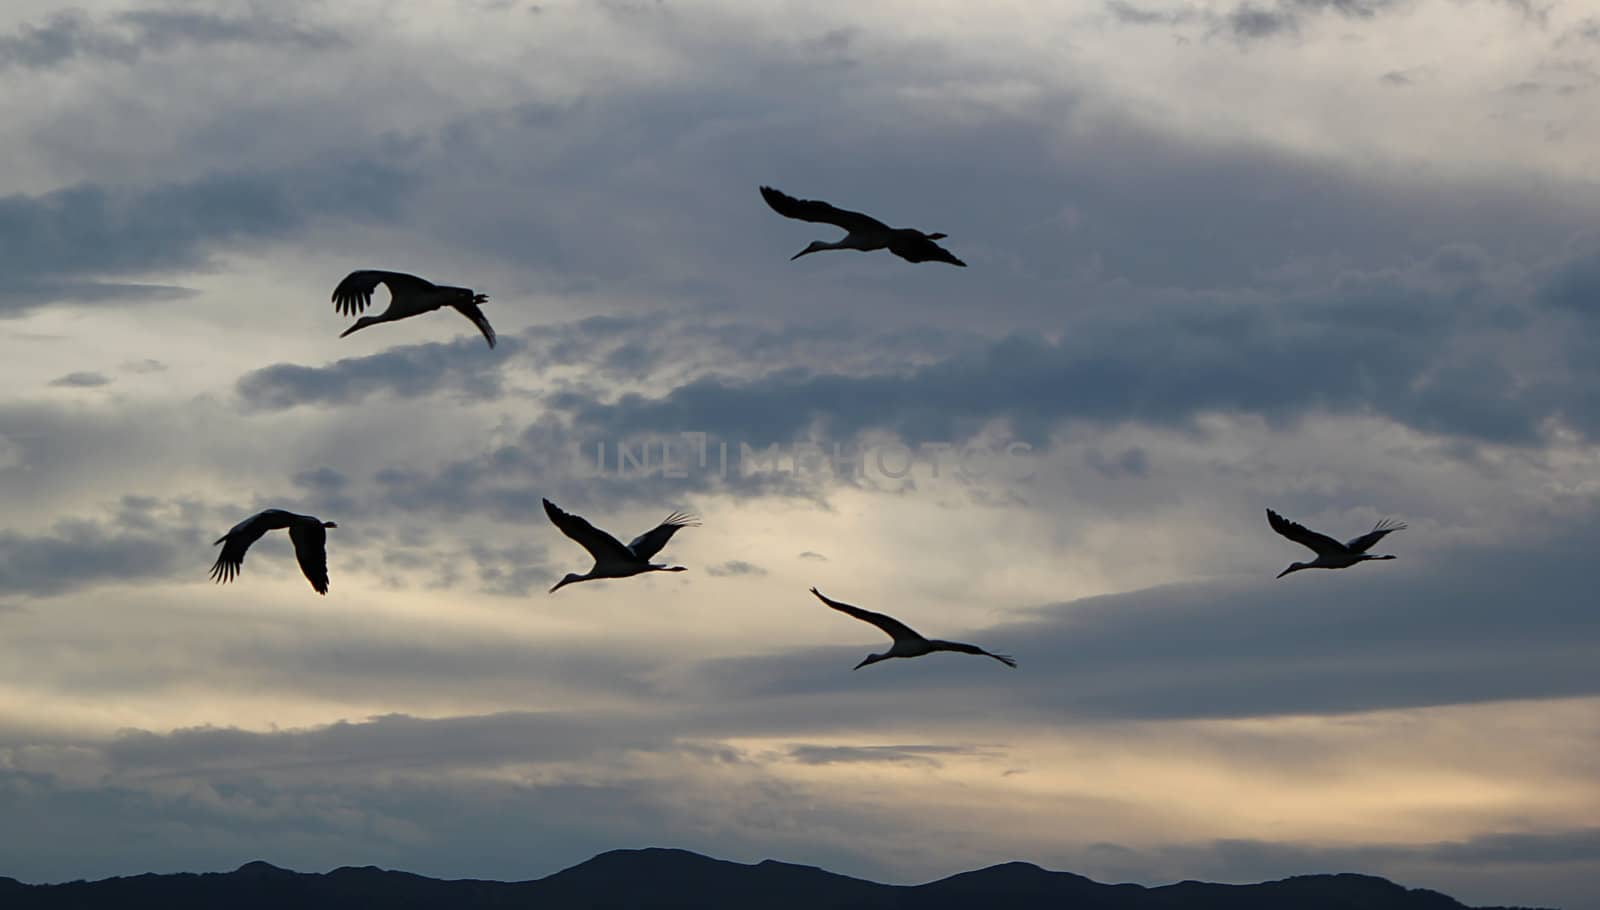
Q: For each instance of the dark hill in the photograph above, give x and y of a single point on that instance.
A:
(658, 878)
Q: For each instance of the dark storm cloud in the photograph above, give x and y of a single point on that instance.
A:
(126, 36)
(81, 380)
(53, 245)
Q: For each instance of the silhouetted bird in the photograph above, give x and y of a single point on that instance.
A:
(1331, 554)
(907, 643)
(611, 558)
(864, 232)
(408, 296)
(307, 533)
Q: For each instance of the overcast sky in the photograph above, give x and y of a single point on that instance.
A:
(1338, 258)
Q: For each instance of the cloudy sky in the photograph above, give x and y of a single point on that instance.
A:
(1332, 257)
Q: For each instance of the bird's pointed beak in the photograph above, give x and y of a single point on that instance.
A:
(1287, 571)
(349, 330)
(862, 664)
(480, 298)
(558, 586)
(799, 254)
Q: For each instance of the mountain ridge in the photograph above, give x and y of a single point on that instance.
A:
(661, 877)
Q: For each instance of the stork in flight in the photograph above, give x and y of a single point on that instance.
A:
(611, 558)
(408, 296)
(308, 534)
(1331, 554)
(907, 643)
(864, 232)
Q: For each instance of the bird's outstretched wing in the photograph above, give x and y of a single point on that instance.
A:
(923, 249)
(1300, 534)
(310, 540)
(1364, 542)
(894, 628)
(354, 293)
(821, 212)
(601, 546)
(965, 648)
(470, 310)
(230, 562)
(650, 542)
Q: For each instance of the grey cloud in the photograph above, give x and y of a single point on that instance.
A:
(1406, 343)
(1539, 848)
(480, 741)
(82, 380)
(1475, 864)
(1408, 346)
(74, 554)
(147, 365)
(900, 755)
(1574, 286)
(735, 567)
(275, 797)
(52, 244)
(1131, 462)
(1585, 30)
(818, 557)
(1249, 20)
(513, 571)
(1452, 627)
(462, 367)
(126, 36)
(1129, 14)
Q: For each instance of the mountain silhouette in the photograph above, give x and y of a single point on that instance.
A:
(663, 878)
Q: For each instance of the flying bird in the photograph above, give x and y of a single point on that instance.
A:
(611, 558)
(308, 534)
(907, 643)
(1331, 554)
(408, 296)
(863, 231)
